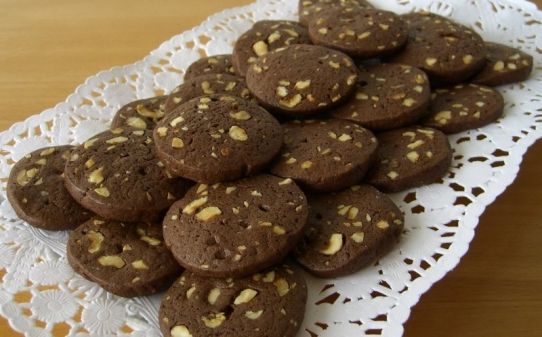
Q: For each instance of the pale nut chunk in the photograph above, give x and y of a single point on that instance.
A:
(393, 175)
(190, 292)
(237, 133)
(282, 286)
(180, 331)
(96, 239)
(117, 140)
(279, 230)
(136, 122)
(177, 143)
(253, 314)
(358, 237)
(213, 321)
(431, 61)
(194, 205)
(89, 143)
(281, 91)
(89, 163)
(467, 59)
(24, 176)
(102, 191)
(245, 296)
(443, 117)
(382, 224)
(240, 115)
(140, 264)
(208, 213)
(273, 37)
(213, 296)
(292, 102)
(269, 277)
(334, 245)
(112, 261)
(413, 156)
(260, 48)
(96, 176)
(47, 152)
(306, 165)
(143, 111)
(150, 240)
(498, 66)
(162, 131)
(344, 137)
(300, 85)
(409, 102)
(353, 213)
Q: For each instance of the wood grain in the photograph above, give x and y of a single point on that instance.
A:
(48, 48)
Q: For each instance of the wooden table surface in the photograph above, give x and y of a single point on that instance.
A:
(47, 48)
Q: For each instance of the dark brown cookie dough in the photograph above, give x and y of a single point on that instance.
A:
(268, 304)
(325, 155)
(464, 107)
(362, 33)
(35, 190)
(302, 79)
(447, 51)
(216, 64)
(142, 114)
(309, 8)
(236, 229)
(117, 175)
(348, 230)
(207, 85)
(387, 96)
(263, 37)
(217, 138)
(410, 157)
(125, 259)
(504, 65)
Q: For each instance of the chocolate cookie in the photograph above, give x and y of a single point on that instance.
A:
(216, 64)
(348, 230)
(269, 304)
(325, 155)
(302, 79)
(361, 33)
(125, 259)
(217, 138)
(447, 51)
(264, 37)
(35, 190)
(410, 157)
(117, 175)
(387, 96)
(464, 107)
(309, 8)
(236, 229)
(504, 65)
(142, 114)
(207, 85)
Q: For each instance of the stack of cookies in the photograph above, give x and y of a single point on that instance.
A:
(277, 155)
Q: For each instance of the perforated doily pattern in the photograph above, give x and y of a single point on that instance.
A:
(39, 291)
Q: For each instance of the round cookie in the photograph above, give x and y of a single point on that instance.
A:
(309, 8)
(302, 79)
(236, 229)
(117, 175)
(35, 190)
(263, 37)
(464, 107)
(504, 65)
(388, 96)
(207, 85)
(348, 230)
(360, 33)
(269, 304)
(127, 260)
(447, 51)
(217, 138)
(325, 155)
(410, 157)
(216, 64)
(141, 114)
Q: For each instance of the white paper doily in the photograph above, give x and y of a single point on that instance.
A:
(39, 291)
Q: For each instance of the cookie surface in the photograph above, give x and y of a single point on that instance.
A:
(207, 85)
(410, 157)
(35, 190)
(217, 138)
(464, 107)
(325, 155)
(236, 229)
(117, 175)
(216, 64)
(302, 79)
(447, 51)
(504, 65)
(360, 33)
(141, 114)
(269, 304)
(125, 259)
(348, 230)
(263, 37)
(309, 8)
(387, 96)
